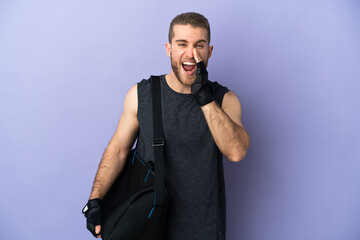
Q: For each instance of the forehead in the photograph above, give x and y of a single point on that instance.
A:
(189, 33)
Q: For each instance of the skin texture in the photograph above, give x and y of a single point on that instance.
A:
(191, 45)
(186, 40)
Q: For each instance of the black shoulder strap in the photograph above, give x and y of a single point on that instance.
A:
(158, 144)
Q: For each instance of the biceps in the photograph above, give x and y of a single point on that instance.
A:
(126, 132)
(128, 126)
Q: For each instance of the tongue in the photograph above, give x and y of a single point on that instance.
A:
(188, 67)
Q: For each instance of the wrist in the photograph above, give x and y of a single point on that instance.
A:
(207, 106)
(205, 95)
(92, 203)
(96, 194)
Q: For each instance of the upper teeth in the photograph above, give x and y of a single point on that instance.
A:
(188, 63)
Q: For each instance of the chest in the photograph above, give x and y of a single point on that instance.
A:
(184, 121)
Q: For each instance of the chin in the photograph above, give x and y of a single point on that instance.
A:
(188, 80)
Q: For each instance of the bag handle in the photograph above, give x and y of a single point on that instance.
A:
(158, 145)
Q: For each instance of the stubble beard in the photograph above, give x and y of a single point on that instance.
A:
(177, 70)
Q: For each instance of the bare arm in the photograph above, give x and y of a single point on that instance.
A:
(225, 124)
(226, 127)
(120, 144)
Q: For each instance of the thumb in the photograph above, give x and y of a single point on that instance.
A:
(97, 229)
(196, 56)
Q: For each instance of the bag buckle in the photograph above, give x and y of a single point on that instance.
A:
(158, 142)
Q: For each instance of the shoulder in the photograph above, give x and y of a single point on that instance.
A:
(144, 86)
(219, 92)
(131, 100)
(231, 105)
(230, 98)
(146, 82)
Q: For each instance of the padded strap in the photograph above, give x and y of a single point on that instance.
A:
(158, 144)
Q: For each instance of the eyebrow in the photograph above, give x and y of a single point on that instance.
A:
(200, 41)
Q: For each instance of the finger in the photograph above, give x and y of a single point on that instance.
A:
(97, 229)
(196, 56)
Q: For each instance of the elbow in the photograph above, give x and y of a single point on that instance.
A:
(238, 156)
(240, 152)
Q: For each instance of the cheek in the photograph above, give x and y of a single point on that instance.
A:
(177, 52)
(203, 53)
(176, 57)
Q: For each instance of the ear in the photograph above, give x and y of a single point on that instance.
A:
(168, 49)
(210, 50)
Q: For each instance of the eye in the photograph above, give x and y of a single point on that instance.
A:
(199, 46)
(182, 45)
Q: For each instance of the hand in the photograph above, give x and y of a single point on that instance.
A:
(93, 214)
(196, 56)
(97, 231)
(201, 88)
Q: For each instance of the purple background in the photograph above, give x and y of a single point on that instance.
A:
(65, 67)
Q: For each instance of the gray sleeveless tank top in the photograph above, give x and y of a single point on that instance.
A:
(193, 163)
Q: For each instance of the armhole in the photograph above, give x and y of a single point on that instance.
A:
(219, 92)
(138, 100)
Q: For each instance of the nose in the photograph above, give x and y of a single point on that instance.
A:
(190, 52)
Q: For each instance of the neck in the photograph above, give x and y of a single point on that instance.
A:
(176, 85)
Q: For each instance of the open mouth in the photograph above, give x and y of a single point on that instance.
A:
(189, 68)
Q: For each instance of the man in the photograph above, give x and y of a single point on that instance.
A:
(201, 123)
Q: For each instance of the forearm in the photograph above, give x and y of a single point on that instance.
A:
(232, 139)
(111, 164)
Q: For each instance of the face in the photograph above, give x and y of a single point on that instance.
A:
(180, 51)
